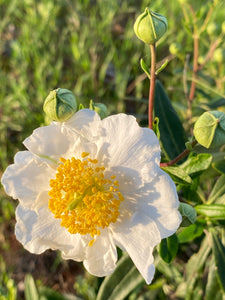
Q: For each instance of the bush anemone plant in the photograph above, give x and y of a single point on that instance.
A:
(90, 184)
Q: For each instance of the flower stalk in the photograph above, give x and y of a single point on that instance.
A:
(152, 85)
(179, 157)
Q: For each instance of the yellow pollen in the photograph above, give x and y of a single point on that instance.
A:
(83, 198)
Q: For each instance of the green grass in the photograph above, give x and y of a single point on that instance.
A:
(90, 48)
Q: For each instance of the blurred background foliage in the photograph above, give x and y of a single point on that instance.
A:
(89, 47)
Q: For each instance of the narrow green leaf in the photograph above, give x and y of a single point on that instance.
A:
(219, 166)
(123, 281)
(212, 286)
(218, 190)
(191, 232)
(162, 67)
(31, 292)
(168, 248)
(197, 261)
(170, 271)
(194, 268)
(212, 211)
(219, 256)
(178, 175)
(172, 133)
(145, 68)
(197, 163)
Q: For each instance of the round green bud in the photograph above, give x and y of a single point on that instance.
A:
(150, 26)
(201, 59)
(174, 48)
(60, 105)
(223, 27)
(211, 28)
(99, 108)
(219, 55)
(209, 130)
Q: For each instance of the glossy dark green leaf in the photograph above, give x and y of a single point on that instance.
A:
(122, 282)
(212, 211)
(168, 248)
(219, 256)
(218, 190)
(197, 163)
(178, 175)
(191, 232)
(172, 133)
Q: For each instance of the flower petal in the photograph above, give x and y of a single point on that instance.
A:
(159, 200)
(128, 145)
(27, 177)
(101, 256)
(41, 231)
(138, 236)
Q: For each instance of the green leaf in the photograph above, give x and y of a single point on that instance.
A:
(145, 68)
(218, 190)
(197, 163)
(188, 214)
(168, 248)
(194, 267)
(212, 286)
(191, 232)
(172, 133)
(162, 67)
(31, 292)
(212, 211)
(219, 256)
(122, 282)
(178, 175)
(219, 166)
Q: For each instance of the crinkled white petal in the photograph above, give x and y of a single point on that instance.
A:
(101, 256)
(158, 200)
(65, 139)
(26, 178)
(125, 144)
(41, 231)
(86, 122)
(138, 236)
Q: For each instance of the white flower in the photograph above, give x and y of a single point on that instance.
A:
(88, 185)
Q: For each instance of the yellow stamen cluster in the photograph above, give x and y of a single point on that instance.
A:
(82, 197)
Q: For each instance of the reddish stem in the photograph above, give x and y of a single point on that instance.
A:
(152, 85)
(179, 157)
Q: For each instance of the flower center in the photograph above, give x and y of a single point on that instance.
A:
(82, 197)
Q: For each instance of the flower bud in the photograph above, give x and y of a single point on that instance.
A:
(212, 28)
(60, 105)
(223, 27)
(209, 130)
(219, 55)
(150, 26)
(174, 48)
(99, 108)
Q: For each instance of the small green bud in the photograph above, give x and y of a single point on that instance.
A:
(201, 59)
(174, 48)
(223, 27)
(209, 130)
(212, 28)
(150, 26)
(99, 108)
(219, 55)
(60, 105)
